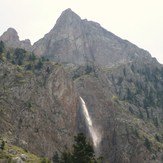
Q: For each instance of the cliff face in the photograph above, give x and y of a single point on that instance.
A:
(80, 42)
(38, 110)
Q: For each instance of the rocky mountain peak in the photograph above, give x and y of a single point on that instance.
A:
(77, 41)
(69, 12)
(10, 35)
(11, 39)
(67, 18)
(69, 15)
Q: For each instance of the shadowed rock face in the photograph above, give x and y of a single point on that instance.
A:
(73, 40)
(11, 39)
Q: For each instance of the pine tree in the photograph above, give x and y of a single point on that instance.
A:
(3, 145)
(56, 158)
(32, 57)
(82, 152)
(39, 65)
(2, 47)
(147, 144)
(66, 157)
(8, 56)
(19, 56)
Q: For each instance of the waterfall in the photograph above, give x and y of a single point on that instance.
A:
(93, 133)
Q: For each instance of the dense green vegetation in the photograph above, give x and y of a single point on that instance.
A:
(81, 152)
(20, 57)
(84, 70)
(10, 153)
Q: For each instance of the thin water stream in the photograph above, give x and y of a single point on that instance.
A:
(93, 132)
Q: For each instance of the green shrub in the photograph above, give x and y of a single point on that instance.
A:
(3, 145)
(115, 98)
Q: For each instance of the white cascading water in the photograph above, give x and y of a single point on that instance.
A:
(93, 133)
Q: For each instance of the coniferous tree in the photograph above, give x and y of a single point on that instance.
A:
(56, 158)
(8, 56)
(39, 65)
(82, 152)
(3, 145)
(147, 144)
(2, 47)
(19, 56)
(32, 57)
(66, 157)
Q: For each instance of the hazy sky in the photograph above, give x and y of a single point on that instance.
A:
(139, 21)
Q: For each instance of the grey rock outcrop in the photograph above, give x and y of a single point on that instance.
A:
(18, 160)
(11, 39)
(77, 41)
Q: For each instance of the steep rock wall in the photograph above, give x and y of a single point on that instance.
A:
(38, 110)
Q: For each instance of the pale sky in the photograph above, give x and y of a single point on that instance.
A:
(139, 21)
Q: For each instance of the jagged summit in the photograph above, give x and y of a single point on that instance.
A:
(11, 39)
(68, 17)
(68, 12)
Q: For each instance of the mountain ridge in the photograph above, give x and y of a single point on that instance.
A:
(77, 41)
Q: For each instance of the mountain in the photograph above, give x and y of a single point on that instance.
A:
(121, 85)
(77, 41)
(11, 39)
